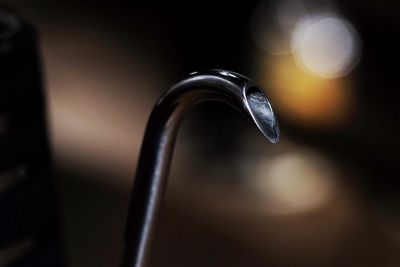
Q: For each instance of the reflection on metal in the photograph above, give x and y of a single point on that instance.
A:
(159, 139)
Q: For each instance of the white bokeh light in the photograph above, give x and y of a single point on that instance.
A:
(296, 182)
(325, 45)
(272, 23)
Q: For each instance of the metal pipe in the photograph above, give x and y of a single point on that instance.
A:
(158, 143)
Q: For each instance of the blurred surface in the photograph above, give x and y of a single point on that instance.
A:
(327, 195)
(29, 234)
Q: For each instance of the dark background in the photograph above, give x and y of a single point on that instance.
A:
(327, 195)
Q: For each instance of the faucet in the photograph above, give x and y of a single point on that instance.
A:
(159, 139)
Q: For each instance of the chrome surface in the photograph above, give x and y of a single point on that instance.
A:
(158, 143)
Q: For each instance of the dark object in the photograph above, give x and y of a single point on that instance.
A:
(28, 217)
(157, 148)
(21, 87)
(28, 146)
(45, 253)
(28, 208)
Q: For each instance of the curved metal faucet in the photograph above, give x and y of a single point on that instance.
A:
(158, 143)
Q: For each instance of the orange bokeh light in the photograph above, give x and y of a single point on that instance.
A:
(305, 98)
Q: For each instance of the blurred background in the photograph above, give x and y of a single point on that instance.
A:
(326, 195)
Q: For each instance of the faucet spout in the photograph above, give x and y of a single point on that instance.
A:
(159, 139)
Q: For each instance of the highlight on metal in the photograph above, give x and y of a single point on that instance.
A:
(159, 139)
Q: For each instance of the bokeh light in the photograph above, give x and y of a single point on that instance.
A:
(306, 99)
(310, 48)
(272, 23)
(296, 182)
(325, 45)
